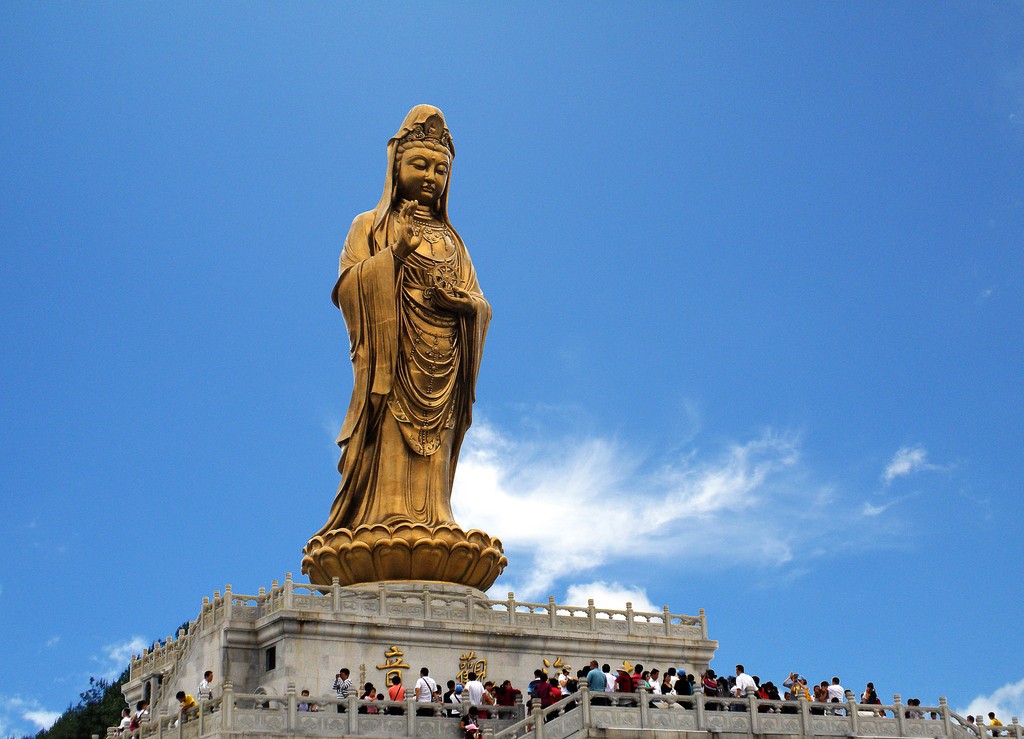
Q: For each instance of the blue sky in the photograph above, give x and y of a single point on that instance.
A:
(756, 273)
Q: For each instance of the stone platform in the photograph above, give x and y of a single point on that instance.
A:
(297, 636)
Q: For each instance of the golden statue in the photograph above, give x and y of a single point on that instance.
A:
(416, 320)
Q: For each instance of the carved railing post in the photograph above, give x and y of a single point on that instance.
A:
(288, 590)
(470, 608)
(228, 598)
(511, 606)
(227, 705)
(701, 711)
(336, 594)
(629, 617)
(520, 707)
(352, 709)
(703, 625)
(667, 619)
(851, 710)
(552, 612)
(585, 707)
(644, 698)
(538, 724)
(805, 716)
(947, 724)
(291, 719)
(427, 606)
(382, 599)
(410, 713)
(898, 710)
(591, 614)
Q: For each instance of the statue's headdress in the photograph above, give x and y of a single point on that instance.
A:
(430, 131)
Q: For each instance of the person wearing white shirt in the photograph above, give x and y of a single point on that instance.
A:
(745, 684)
(563, 678)
(475, 688)
(205, 691)
(425, 689)
(836, 691)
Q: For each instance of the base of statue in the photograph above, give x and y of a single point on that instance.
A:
(402, 552)
(264, 649)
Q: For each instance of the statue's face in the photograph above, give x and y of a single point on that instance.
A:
(423, 175)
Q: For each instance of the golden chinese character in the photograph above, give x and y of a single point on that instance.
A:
(469, 663)
(393, 663)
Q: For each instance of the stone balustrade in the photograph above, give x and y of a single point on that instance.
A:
(584, 712)
(409, 602)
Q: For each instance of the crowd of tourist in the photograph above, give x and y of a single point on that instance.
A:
(475, 700)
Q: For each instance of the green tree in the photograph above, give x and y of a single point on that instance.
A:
(99, 707)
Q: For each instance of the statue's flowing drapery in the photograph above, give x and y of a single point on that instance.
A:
(415, 369)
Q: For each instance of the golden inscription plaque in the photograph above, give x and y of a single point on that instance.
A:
(417, 321)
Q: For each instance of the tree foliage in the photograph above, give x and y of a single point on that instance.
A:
(100, 706)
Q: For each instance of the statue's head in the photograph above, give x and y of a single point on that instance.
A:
(423, 161)
(420, 157)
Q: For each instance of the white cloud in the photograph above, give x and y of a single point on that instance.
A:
(571, 506)
(907, 460)
(1006, 702)
(117, 656)
(21, 716)
(52, 642)
(42, 719)
(609, 595)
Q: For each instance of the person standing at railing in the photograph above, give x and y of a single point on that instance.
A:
(141, 712)
(205, 691)
(427, 692)
(126, 721)
(993, 721)
(342, 685)
(595, 684)
(475, 689)
(836, 692)
(186, 703)
(396, 693)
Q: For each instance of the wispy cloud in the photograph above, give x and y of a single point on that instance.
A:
(906, 461)
(52, 642)
(870, 509)
(117, 656)
(876, 510)
(1006, 701)
(585, 502)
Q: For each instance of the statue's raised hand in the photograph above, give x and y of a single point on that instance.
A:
(408, 234)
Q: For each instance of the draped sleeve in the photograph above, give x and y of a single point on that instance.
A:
(365, 293)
